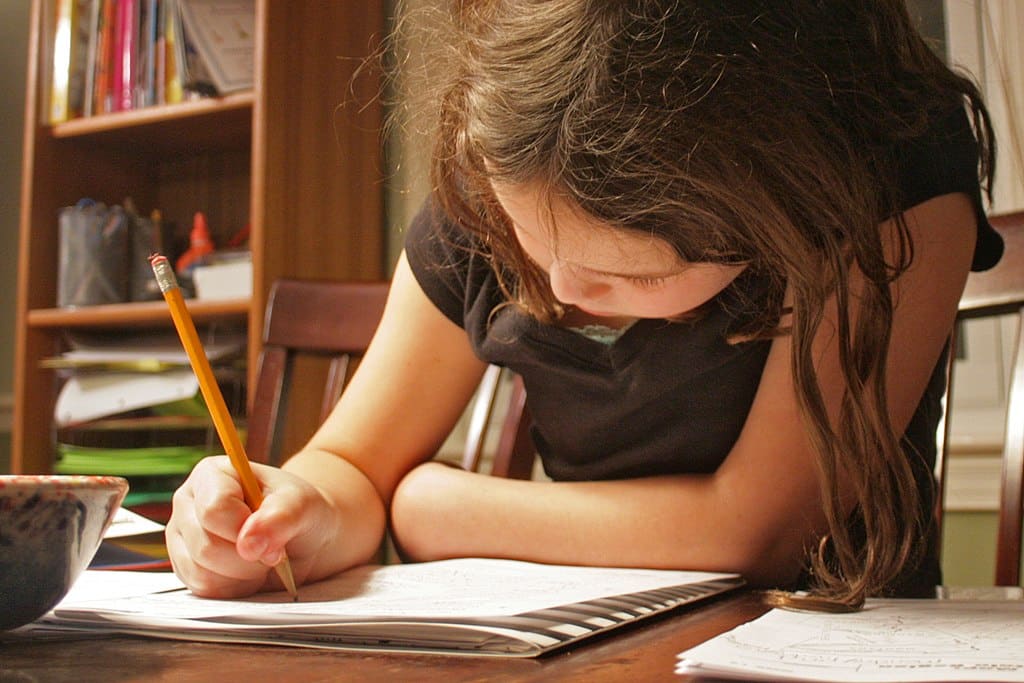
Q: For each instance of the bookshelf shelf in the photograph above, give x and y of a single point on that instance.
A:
(211, 107)
(288, 159)
(135, 314)
(210, 123)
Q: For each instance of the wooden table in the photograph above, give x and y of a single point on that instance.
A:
(637, 653)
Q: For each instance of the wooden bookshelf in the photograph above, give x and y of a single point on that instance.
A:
(135, 314)
(294, 158)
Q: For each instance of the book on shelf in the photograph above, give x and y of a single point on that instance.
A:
(118, 55)
(169, 84)
(70, 20)
(461, 606)
(92, 27)
(125, 55)
(100, 97)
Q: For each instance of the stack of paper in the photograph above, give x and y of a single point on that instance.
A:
(901, 641)
(470, 606)
(130, 406)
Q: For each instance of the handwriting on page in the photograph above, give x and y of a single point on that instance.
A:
(890, 640)
(451, 588)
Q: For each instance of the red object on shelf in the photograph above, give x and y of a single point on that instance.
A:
(200, 244)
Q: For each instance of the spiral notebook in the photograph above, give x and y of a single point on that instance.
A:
(467, 606)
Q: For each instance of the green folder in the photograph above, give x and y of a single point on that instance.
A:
(128, 462)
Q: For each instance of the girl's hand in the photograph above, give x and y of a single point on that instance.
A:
(221, 549)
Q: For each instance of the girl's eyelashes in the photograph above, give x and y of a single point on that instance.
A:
(646, 282)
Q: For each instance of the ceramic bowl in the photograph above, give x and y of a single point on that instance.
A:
(50, 528)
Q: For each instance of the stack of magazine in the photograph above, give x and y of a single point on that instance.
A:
(130, 406)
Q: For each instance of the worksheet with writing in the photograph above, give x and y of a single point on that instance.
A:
(449, 588)
(889, 640)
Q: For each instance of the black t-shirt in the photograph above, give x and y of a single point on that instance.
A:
(665, 398)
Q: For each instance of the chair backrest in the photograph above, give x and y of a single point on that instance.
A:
(1000, 291)
(514, 451)
(335, 321)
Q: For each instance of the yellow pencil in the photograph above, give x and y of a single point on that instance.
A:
(213, 397)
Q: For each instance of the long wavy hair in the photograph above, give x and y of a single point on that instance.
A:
(758, 132)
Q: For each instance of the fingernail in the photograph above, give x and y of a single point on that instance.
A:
(257, 546)
(271, 559)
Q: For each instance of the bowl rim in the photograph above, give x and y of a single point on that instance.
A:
(62, 481)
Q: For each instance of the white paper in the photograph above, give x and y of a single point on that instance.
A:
(128, 523)
(91, 396)
(97, 585)
(449, 588)
(890, 640)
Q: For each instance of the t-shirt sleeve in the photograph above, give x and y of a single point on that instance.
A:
(451, 267)
(435, 255)
(946, 161)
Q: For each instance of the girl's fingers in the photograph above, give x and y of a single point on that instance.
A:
(231, 578)
(289, 511)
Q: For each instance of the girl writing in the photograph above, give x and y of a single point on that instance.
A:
(722, 243)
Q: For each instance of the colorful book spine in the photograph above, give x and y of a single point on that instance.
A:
(102, 88)
(173, 92)
(60, 78)
(160, 55)
(145, 85)
(125, 58)
(91, 57)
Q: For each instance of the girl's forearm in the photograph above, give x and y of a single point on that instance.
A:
(682, 522)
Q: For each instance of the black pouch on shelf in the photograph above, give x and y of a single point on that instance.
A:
(93, 252)
(145, 241)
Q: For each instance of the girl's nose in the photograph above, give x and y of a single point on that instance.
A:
(570, 287)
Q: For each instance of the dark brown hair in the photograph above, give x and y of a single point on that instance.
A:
(755, 132)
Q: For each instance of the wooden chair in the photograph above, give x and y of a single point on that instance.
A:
(335, 321)
(1000, 291)
(514, 453)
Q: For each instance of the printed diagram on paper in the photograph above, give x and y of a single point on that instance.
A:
(904, 640)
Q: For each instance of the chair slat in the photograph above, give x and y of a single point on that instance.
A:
(1000, 291)
(336, 321)
(1011, 515)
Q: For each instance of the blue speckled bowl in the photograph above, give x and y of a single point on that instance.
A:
(50, 528)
